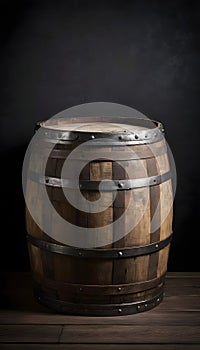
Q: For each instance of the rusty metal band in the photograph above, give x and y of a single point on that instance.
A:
(99, 309)
(83, 289)
(106, 185)
(115, 253)
(146, 136)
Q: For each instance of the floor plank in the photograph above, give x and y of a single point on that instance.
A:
(30, 334)
(129, 334)
(99, 347)
(190, 274)
(152, 317)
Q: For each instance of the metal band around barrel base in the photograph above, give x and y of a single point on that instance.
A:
(127, 252)
(101, 309)
(98, 290)
(106, 185)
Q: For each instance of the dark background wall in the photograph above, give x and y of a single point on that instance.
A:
(144, 54)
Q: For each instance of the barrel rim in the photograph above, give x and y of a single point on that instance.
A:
(150, 135)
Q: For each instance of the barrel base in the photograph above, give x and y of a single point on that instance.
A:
(64, 307)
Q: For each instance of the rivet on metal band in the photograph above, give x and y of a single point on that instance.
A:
(106, 185)
(100, 253)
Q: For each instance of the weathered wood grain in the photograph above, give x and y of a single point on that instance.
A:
(131, 335)
(30, 333)
(154, 318)
(99, 346)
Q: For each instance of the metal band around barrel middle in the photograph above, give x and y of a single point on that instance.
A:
(106, 185)
(127, 252)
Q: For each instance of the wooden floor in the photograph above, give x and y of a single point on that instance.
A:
(174, 324)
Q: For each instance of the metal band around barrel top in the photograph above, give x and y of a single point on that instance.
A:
(127, 252)
(99, 309)
(106, 185)
(143, 136)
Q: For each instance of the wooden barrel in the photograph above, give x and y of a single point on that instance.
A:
(126, 275)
